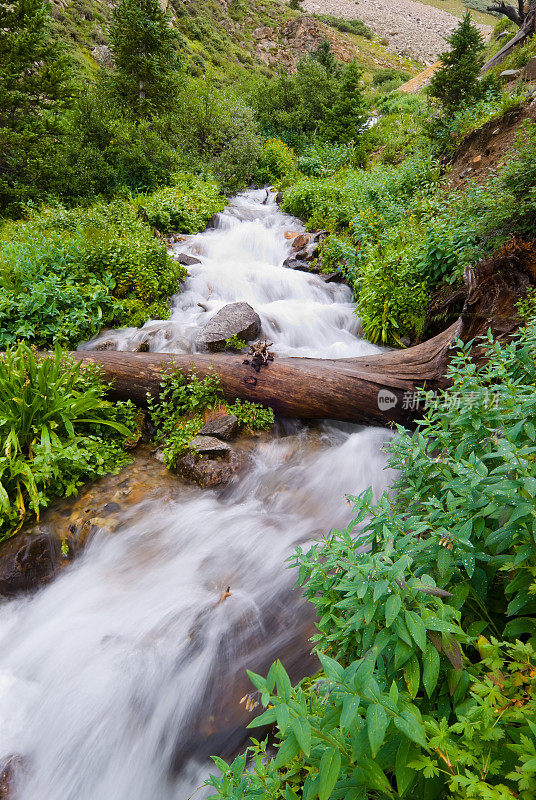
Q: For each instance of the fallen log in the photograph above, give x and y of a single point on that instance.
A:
(376, 388)
(527, 30)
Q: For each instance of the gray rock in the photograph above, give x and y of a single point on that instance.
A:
(333, 277)
(235, 319)
(102, 55)
(224, 428)
(186, 260)
(209, 446)
(208, 472)
(509, 75)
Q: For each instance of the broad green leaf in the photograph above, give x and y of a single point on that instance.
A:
(286, 752)
(377, 724)
(431, 664)
(392, 607)
(350, 707)
(301, 729)
(416, 628)
(328, 772)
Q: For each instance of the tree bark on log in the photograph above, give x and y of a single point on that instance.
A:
(526, 30)
(368, 389)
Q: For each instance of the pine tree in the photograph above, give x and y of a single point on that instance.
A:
(456, 81)
(146, 60)
(35, 85)
(345, 119)
(325, 56)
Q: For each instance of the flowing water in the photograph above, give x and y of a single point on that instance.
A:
(120, 679)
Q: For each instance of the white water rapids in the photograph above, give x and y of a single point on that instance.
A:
(122, 677)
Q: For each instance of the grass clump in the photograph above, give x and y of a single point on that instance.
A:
(56, 432)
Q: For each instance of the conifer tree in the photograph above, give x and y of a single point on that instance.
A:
(35, 85)
(146, 59)
(325, 56)
(345, 119)
(456, 81)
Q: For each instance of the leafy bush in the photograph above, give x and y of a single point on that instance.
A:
(56, 431)
(178, 411)
(276, 161)
(186, 207)
(355, 26)
(68, 273)
(388, 76)
(323, 158)
(425, 608)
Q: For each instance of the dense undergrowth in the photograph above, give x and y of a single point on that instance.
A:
(425, 608)
(56, 432)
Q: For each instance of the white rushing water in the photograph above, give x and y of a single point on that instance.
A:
(120, 679)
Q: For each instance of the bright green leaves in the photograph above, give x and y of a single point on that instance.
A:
(377, 724)
(432, 663)
(392, 608)
(302, 731)
(328, 773)
(416, 628)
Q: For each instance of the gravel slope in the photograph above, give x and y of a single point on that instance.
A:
(412, 29)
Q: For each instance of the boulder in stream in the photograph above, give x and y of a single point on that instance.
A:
(210, 446)
(208, 472)
(234, 319)
(224, 428)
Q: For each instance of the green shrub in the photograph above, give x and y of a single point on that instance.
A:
(425, 607)
(324, 158)
(68, 273)
(56, 431)
(456, 81)
(388, 75)
(186, 207)
(276, 161)
(355, 26)
(178, 411)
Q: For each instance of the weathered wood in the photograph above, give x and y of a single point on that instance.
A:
(526, 31)
(366, 389)
(312, 388)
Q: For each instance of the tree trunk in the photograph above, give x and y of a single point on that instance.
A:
(369, 389)
(526, 31)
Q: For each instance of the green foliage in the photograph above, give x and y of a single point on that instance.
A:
(322, 159)
(276, 162)
(186, 207)
(177, 412)
(344, 120)
(145, 52)
(68, 273)
(425, 608)
(35, 84)
(324, 55)
(456, 81)
(56, 431)
(355, 26)
(235, 343)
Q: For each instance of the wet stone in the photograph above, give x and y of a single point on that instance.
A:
(208, 472)
(225, 428)
(234, 319)
(210, 446)
(186, 260)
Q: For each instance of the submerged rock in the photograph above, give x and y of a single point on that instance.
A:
(234, 319)
(208, 472)
(225, 428)
(27, 561)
